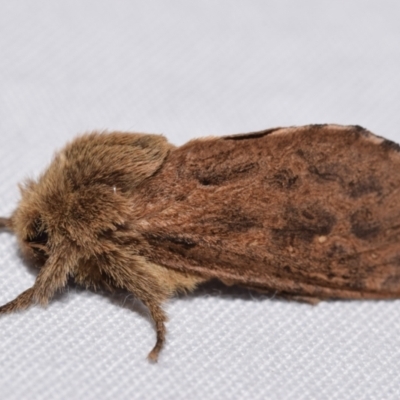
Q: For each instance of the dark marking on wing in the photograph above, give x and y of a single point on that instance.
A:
(320, 166)
(218, 174)
(336, 250)
(251, 135)
(363, 226)
(304, 224)
(389, 145)
(240, 222)
(181, 241)
(324, 173)
(359, 128)
(283, 179)
(363, 187)
(232, 220)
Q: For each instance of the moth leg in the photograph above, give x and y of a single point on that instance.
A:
(39, 292)
(159, 318)
(152, 284)
(52, 277)
(23, 301)
(138, 284)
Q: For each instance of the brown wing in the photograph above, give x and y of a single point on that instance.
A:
(310, 211)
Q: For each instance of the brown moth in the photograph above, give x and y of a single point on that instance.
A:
(307, 212)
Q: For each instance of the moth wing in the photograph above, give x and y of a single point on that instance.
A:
(309, 211)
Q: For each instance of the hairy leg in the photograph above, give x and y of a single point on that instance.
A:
(52, 277)
(23, 301)
(159, 318)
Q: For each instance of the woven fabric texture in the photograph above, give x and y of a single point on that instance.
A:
(188, 69)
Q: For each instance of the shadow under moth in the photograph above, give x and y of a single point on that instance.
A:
(308, 213)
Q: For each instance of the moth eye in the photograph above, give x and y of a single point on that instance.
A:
(39, 238)
(39, 234)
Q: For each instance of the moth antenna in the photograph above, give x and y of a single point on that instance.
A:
(5, 222)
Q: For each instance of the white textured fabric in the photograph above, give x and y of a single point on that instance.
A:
(187, 69)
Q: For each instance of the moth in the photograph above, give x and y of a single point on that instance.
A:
(308, 212)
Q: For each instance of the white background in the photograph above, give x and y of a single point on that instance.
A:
(187, 69)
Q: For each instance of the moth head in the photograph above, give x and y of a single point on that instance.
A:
(85, 192)
(30, 225)
(34, 243)
(31, 231)
(54, 215)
